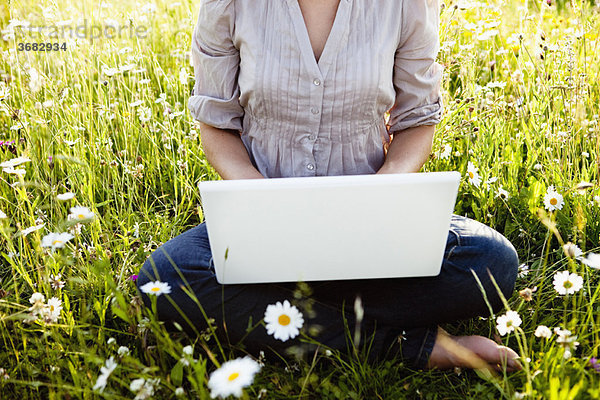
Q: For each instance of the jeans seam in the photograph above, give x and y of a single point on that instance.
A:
(423, 355)
(458, 244)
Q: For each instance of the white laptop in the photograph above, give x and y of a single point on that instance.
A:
(329, 227)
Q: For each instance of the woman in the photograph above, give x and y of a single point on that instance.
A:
(300, 88)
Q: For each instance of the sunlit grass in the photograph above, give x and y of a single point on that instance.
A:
(107, 119)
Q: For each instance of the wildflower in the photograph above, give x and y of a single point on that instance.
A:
(14, 162)
(595, 364)
(52, 311)
(503, 194)
(567, 283)
(65, 196)
(144, 113)
(3, 215)
(572, 250)
(567, 340)
(35, 80)
(144, 388)
(81, 214)
(12, 170)
(111, 340)
(179, 392)
(283, 320)
(523, 270)
(122, 351)
(592, 260)
(133, 277)
(188, 350)
(157, 288)
(136, 384)
(55, 282)
(105, 372)
(473, 175)
(446, 152)
(56, 240)
(552, 199)
(183, 76)
(232, 377)
(508, 322)
(527, 294)
(543, 331)
(37, 300)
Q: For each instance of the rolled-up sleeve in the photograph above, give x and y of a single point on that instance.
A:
(214, 99)
(417, 75)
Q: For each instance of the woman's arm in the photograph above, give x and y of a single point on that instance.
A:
(226, 152)
(409, 150)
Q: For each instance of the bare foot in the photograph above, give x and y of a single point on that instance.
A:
(475, 352)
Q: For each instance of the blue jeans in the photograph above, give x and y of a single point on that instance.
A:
(401, 315)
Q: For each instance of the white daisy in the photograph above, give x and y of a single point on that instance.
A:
(27, 231)
(105, 371)
(3, 215)
(543, 331)
(592, 260)
(523, 270)
(81, 214)
(157, 288)
(189, 350)
(37, 300)
(56, 240)
(446, 152)
(53, 308)
(572, 250)
(65, 196)
(283, 320)
(567, 340)
(552, 199)
(14, 171)
(473, 175)
(567, 283)
(122, 351)
(508, 322)
(503, 194)
(55, 282)
(14, 162)
(232, 377)
(136, 384)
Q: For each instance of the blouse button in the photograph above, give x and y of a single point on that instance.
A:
(314, 110)
(317, 81)
(310, 167)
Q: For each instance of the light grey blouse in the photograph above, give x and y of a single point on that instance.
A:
(256, 72)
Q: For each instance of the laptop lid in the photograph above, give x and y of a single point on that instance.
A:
(329, 227)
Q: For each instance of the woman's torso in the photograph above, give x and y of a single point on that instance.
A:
(304, 118)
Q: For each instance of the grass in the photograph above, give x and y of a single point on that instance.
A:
(521, 93)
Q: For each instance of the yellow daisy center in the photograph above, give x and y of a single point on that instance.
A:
(233, 377)
(471, 175)
(567, 285)
(155, 289)
(81, 216)
(284, 320)
(55, 242)
(51, 308)
(553, 201)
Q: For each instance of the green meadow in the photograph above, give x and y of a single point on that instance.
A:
(97, 144)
